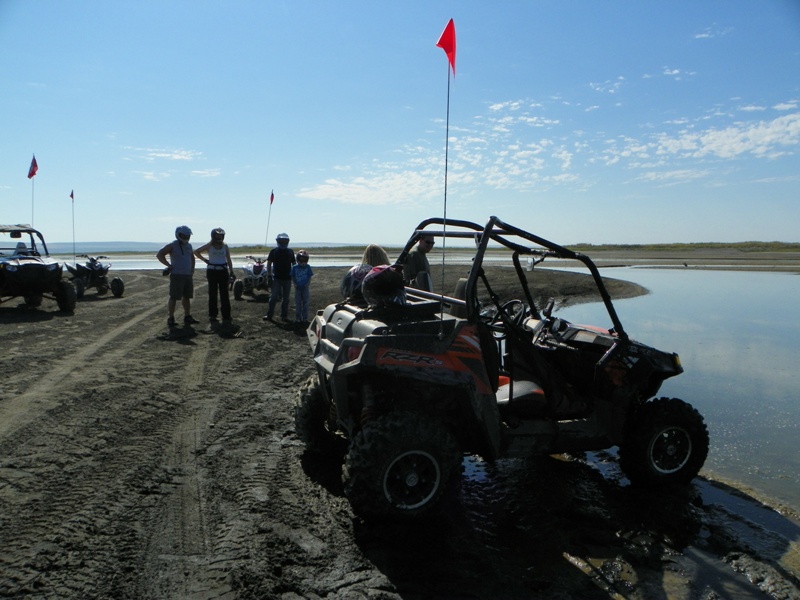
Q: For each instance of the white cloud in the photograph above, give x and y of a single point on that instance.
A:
(152, 175)
(763, 139)
(609, 86)
(151, 154)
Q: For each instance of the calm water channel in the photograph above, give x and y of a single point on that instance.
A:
(738, 337)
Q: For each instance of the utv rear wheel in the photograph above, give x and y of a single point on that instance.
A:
(238, 289)
(666, 444)
(312, 420)
(66, 296)
(117, 287)
(400, 466)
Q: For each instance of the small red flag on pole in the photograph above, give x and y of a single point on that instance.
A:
(72, 194)
(447, 42)
(271, 197)
(33, 168)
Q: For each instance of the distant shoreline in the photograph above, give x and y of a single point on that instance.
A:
(728, 259)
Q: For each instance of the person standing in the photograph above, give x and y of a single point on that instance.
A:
(180, 268)
(417, 261)
(219, 273)
(279, 267)
(301, 276)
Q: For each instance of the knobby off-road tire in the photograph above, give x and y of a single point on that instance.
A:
(312, 420)
(66, 296)
(666, 444)
(80, 287)
(238, 289)
(33, 300)
(117, 287)
(399, 466)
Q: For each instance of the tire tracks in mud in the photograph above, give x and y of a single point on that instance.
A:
(18, 411)
(82, 472)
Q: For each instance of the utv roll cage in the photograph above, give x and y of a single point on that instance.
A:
(16, 233)
(502, 233)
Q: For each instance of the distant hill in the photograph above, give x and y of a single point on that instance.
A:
(102, 247)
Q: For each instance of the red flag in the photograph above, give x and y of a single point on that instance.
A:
(33, 169)
(72, 194)
(272, 197)
(447, 42)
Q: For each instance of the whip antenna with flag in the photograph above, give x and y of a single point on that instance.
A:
(72, 197)
(269, 215)
(447, 42)
(31, 174)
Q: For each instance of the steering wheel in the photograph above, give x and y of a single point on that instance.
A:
(515, 310)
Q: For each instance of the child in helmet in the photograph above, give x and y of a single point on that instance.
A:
(279, 266)
(301, 276)
(218, 273)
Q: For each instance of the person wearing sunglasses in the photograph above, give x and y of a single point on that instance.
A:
(417, 269)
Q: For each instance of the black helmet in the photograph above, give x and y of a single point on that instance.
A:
(282, 239)
(183, 233)
(217, 234)
(383, 285)
(302, 256)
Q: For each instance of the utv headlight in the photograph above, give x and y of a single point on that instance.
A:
(11, 268)
(53, 267)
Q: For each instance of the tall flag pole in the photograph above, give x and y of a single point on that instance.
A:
(72, 197)
(269, 216)
(447, 42)
(31, 174)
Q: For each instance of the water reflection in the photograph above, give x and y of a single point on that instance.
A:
(739, 342)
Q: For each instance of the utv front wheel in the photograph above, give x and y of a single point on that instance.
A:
(400, 466)
(80, 287)
(313, 421)
(238, 289)
(33, 300)
(666, 444)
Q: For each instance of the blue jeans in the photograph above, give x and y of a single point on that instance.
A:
(301, 298)
(281, 288)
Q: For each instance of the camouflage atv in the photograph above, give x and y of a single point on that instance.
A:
(27, 270)
(408, 389)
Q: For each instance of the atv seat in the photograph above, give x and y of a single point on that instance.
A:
(528, 399)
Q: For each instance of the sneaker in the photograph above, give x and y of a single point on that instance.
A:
(171, 322)
(268, 317)
(189, 320)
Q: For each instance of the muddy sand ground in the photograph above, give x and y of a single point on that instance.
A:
(143, 465)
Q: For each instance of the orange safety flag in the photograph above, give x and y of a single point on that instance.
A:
(447, 42)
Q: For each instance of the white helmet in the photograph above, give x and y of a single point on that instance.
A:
(282, 239)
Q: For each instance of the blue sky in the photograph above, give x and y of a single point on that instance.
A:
(584, 121)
